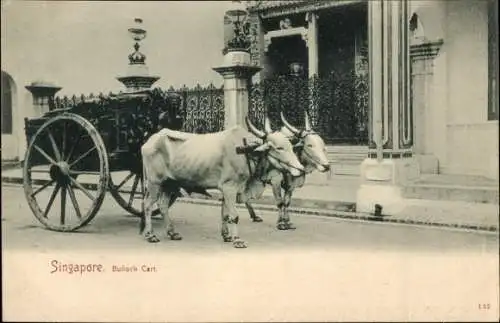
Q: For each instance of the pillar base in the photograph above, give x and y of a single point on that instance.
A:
(428, 164)
(381, 184)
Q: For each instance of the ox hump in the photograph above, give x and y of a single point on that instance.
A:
(177, 135)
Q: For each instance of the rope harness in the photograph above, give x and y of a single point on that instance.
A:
(257, 172)
(302, 149)
(281, 162)
(248, 151)
(259, 160)
(311, 157)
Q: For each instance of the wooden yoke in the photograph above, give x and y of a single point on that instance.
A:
(249, 151)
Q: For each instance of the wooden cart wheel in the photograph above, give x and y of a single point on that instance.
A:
(128, 190)
(67, 156)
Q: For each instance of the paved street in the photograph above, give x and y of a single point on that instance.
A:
(113, 228)
(327, 269)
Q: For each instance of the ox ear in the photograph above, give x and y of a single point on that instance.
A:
(264, 147)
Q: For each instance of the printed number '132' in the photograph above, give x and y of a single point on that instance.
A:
(484, 306)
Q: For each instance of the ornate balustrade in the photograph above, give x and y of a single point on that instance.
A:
(336, 103)
(200, 109)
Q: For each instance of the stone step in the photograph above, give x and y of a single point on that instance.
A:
(347, 149)
(346, 160)
(346, 169)
(453, 188)
(336, 159)
(10, 163)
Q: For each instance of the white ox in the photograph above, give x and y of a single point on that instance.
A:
(311, 151)
(195, 162)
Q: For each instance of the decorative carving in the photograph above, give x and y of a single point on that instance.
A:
(309, 16)
(241, 39)
(137, 34)
(267, 43)
(427, 50)
(268, 37)
(255, 32)
(285, 23)
(138, 77)
(271, 9)
(296, 69)
(329, 100)
(304, 34)
(137, 57)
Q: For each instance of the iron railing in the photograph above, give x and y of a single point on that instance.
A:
(337, 105)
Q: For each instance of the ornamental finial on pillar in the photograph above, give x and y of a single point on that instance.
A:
(137, 78)
(137, 33)
(239, 40)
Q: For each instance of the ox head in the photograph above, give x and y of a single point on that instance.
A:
(279, 150)
(314, 150)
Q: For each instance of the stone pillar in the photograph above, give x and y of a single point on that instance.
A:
(42, 96)
(390, 162)
(312, 54)
(312, 43)
(257, 54)
(38, 101)
(422, 60)
(137, 77)
(237, 72)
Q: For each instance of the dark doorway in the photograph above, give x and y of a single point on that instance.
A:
(6, 94)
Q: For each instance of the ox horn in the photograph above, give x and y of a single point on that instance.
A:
(307, 121)
(294, 130)
(253, 129)
(267, 125)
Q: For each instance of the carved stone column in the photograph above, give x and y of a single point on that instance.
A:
(390, 162)
(257, 55)
(43, 95)
(422, 55)
(312, 48)
(237, 72)
(312, 42)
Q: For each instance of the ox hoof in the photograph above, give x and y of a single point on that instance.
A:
(174, 236)
(152, 238)
(257, 219)
(227, 238)
(239, 244)
(291, 226)
(282, 226)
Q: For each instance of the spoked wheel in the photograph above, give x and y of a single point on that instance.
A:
(66, 172)
(128, 190)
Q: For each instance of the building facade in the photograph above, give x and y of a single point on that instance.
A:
(440, 108)
(446, 119)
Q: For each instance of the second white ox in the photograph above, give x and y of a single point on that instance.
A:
(195, 162)
(311, 151)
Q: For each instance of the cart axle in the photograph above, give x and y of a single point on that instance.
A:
(60, 172)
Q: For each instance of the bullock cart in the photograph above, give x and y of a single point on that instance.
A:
(79, 152)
